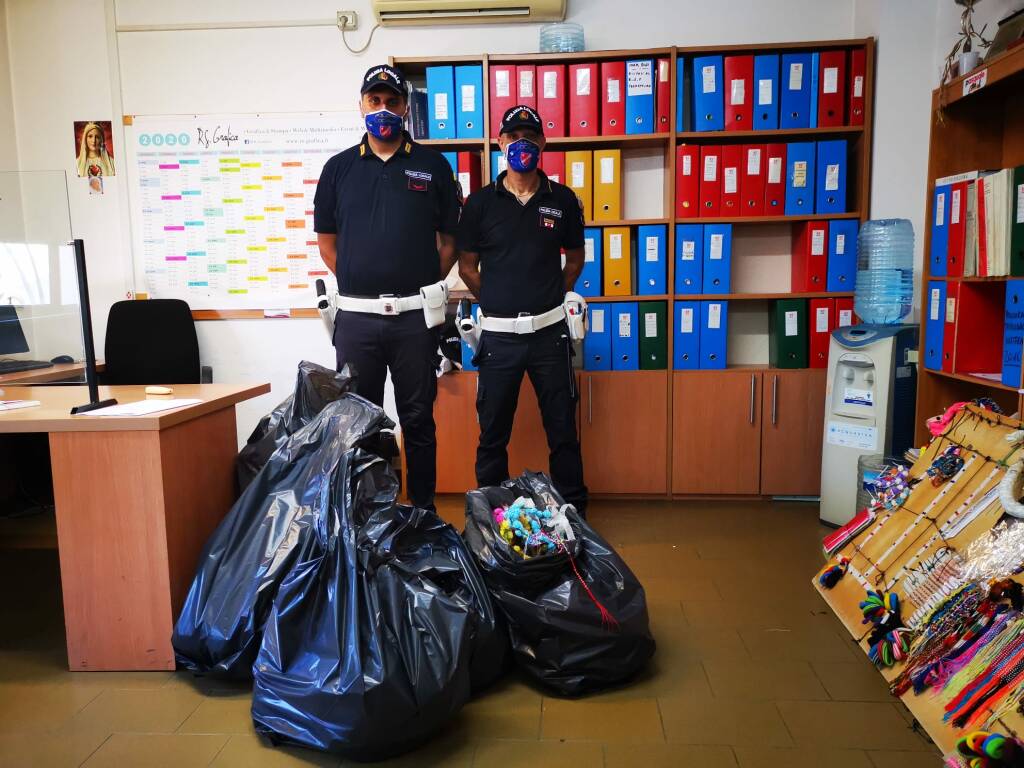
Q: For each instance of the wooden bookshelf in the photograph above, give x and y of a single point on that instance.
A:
(983, 129)
(658, 392)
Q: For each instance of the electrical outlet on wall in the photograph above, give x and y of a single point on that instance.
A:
(348, 20)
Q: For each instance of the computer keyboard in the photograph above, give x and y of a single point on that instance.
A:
(16, 366)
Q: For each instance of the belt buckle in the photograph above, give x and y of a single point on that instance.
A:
(523, 324)
(389, 304)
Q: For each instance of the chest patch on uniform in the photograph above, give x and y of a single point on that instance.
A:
(419, 175)
(551, 211)
(547, 222)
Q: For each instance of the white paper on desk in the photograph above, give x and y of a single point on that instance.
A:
(143, 407)
(13, 405)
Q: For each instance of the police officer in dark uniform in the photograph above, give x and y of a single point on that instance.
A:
(385, 214)
(510, 240)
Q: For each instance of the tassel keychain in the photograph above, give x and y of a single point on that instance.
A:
(831, 576)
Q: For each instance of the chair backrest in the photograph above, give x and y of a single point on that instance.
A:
(151, 342)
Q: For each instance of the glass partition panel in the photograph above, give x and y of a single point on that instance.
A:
(39, 313)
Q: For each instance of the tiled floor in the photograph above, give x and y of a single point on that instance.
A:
(752, 671)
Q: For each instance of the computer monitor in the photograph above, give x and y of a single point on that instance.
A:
(12, 338)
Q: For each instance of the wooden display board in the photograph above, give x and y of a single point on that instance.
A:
(883, 554)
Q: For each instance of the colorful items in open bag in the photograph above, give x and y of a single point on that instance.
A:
(267, 531)
(531, 531)
(378, 637)
(984, 749)
(577, 616)
(946, 465)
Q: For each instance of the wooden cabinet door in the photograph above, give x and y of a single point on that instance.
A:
(793, 423)
(623, 423)
(458, 433)
(716, 432)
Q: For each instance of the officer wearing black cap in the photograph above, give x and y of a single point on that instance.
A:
(510, 240)
(385, 214)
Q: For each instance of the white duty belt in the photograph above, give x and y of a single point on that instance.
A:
(524, 323)
(382, 305)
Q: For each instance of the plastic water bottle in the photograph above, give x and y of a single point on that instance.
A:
(563, 37)
(884, 291)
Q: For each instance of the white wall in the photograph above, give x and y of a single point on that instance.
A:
(59, 62)
(8, 145)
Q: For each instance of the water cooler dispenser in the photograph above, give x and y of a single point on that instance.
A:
(870, 396)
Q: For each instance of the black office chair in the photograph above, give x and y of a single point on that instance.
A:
(152, 342)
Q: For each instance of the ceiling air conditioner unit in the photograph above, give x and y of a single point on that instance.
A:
(438, 12)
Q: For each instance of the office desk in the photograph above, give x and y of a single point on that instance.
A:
(41, 375)
(136, 498)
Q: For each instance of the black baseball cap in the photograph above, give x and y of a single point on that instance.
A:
(384, 75)
(522, 117)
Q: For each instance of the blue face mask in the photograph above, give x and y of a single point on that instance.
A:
(384, 125)
(522, 155)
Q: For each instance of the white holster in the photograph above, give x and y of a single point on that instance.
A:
(435, 302)
(575, 315)
(469, 329)
(327, 306)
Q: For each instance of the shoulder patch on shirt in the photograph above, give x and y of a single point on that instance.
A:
(551, 211)
(419, 175)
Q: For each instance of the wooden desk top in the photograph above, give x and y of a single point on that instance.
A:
(39, 375)
(53, 414)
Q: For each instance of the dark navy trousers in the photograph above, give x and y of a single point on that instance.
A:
(546, 356)
(372, 344)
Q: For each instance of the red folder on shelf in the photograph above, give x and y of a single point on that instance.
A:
(810, 256)
(664, 97)
(613, 98)
(553, 165)
(752, 180)
(832, 88)
(957, 229)
(823, 322)
(550, 87)
(688, 181)
(526, 85)
(584, 100)
(469, 172)
(739, 97)
(732, 167)
(774, 179)
(949, 331)
(858, 75)
(979, 327)
(844, 313)
(710, 171)
(502, 94)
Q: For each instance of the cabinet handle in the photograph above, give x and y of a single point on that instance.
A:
(775, 393)
(753, 389)
(590, 399)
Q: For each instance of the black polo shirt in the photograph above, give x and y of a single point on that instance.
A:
(520, 245)
(386, 216)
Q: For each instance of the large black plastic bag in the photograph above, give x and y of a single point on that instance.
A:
(557, 631)
(267, 531)
(315, 387)
(373, 639)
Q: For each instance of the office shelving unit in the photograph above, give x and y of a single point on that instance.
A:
(748, 430)
(983, 129)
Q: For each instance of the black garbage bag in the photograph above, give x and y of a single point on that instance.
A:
(315, 387)
(553, 603)
(268, 530)
(374, 638)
